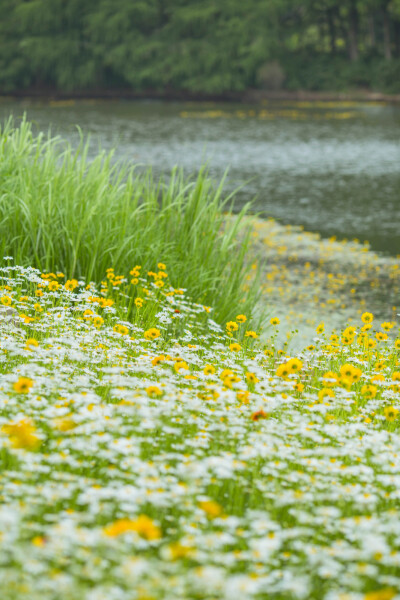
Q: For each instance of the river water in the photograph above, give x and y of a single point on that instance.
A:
(333, 168)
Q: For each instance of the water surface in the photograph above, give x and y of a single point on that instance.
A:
(333, 168)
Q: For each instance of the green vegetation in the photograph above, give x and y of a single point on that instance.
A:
(207, 47)
(60, 212)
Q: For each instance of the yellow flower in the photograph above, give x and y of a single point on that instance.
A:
(367, 317)
(397, 344)
(161, 266)
(379, 365)
(26, 318)
(295, 365)
(349, 331)
(153, 391)
(98, 321)
(23, 385)
(143, 525)
(347, 371)
(274, 321)
(391, 413)
(251, 334)
(347, 340)
(135, 271)
(241, 318)
(232, 326)
(37, 307)
(209, 370)
(71, 284)
(225, 373)
(320, 328)
(243, 396)
(396, 376)
(157, 360)
(139, 302)
(64, 424)
(383, 594)
(299, 387)
(134, 281)
(356, 374)
(369, 391)
(122, 329)
(330, 379)
(326, 392)
(88, 314)
(235, 347)
(229, 380)
(387, 326)
(381, 337)
(53, 286)
(251, 378)
(31, 343)
(22, 434)
(181, 364)
(152, 334)
(211, 508)
(176, 551)
(6, 300)
(283, 370)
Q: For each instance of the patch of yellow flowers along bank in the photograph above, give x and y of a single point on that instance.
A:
(147, 453)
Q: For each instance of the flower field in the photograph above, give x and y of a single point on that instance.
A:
(148, 453)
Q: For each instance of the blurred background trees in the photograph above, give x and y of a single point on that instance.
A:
(201, 46)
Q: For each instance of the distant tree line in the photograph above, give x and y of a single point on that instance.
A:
(200, 46)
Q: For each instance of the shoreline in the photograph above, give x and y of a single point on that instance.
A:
(251, 96)
(306, 279)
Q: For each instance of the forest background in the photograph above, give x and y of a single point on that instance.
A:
(199, 47)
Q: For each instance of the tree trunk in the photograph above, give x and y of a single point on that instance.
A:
(353, 32)
(387, 49)
(330, 14)
(397, 37)
(372, 30)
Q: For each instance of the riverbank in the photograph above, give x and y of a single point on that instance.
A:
(307, 279)
(250, 96)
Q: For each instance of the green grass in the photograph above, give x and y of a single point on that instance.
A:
(61, 211)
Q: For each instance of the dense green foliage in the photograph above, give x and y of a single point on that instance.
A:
(60, 212)
(201, 47)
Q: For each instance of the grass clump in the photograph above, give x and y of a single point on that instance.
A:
(61, 212)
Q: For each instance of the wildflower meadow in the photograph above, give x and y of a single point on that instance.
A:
(148, 452)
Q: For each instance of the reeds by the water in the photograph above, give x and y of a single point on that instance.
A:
(61, 211)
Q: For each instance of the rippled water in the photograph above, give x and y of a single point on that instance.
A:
(334, 168)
